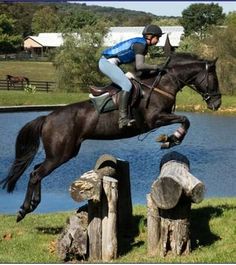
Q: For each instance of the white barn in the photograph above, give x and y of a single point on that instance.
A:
(117, 34)
(45, 41)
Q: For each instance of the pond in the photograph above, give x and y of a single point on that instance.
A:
(210, 146)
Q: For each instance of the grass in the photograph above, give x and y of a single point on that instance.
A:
(11, 98)
(189, 100)
(43, 71)
(213, 233)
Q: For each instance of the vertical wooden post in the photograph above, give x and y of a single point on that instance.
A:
(124, 191)
(47, 86)
(153, 224)
(109, 220)
(125, 208)
(95, 230)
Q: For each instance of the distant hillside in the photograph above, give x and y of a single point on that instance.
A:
(23, 11)
(33, 1)
(116, 16)
(113, 10)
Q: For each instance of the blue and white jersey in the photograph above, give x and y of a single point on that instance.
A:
(124, 50)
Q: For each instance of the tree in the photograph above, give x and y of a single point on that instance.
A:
(74, 21)
(165, 21)
(197, 18)
(45, 20)
(76, 60)
(9, 42)
(22, 13)
(224, 48)
(231, 19)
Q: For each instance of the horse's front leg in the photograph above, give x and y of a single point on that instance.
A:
(164, 119)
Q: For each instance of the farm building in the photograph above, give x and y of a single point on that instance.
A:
(45, 41)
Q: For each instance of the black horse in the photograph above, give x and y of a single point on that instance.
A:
(63, 130)
(12, 80)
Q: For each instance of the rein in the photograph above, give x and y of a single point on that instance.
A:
(152, 88)
(157, 80)
(167, 94)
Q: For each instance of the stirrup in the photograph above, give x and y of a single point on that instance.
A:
(126, 123)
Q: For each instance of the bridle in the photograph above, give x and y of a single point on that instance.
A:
(205, 95)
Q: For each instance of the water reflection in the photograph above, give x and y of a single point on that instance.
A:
(210, 146)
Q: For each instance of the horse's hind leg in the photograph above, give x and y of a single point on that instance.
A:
(59, 155)
(33, 193)
(32, 199)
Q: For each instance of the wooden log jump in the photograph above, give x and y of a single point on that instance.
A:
(169, 206)
(109, 211)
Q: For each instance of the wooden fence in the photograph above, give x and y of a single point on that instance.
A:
(46, 86)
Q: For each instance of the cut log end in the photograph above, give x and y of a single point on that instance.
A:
(87, 187)
(166, 193)
(198, 193)
(105, 161)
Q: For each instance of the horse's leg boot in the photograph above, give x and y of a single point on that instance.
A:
(124, 120)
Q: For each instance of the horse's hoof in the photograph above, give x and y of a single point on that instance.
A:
(20, 216)
(166, 145)
(162, 138)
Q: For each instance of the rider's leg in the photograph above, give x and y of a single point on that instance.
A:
(117, 76)
(124, 121)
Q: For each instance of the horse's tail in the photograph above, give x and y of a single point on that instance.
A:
(26, 147)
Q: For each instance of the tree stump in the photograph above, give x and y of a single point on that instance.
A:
(107, 189)
(169, 206)
(73, 239)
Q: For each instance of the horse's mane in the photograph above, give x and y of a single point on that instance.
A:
(180, 58)
(184, 58)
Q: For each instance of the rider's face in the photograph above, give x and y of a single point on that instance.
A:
(152, 40)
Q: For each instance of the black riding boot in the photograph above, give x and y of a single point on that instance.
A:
(124, 121)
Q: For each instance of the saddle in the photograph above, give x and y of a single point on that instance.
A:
(107, 98)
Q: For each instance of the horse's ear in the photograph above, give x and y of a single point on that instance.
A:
(212, 64)
(215, 60)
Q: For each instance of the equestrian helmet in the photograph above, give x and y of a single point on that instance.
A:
(152, 30)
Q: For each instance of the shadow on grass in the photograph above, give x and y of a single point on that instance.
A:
(201, 235)
(127, 236)
(49, 230)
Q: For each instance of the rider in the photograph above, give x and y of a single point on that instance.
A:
(128, 51)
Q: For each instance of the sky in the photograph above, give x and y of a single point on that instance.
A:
(161, 8)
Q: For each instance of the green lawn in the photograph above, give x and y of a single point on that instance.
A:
(43, 71)
(213, 234)
(11, 98)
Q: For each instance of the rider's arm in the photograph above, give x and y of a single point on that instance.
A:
(140, 52)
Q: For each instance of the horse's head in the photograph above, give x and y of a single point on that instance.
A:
(207, 85)
(198, 74)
